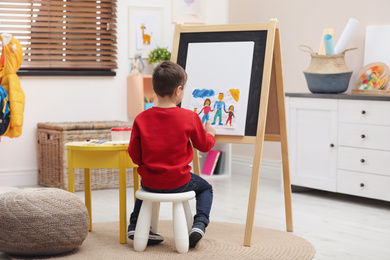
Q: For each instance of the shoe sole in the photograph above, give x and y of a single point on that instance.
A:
(153, 239)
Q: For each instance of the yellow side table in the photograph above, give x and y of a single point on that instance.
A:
(107, 156)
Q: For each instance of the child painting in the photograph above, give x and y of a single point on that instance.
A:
(160, 145)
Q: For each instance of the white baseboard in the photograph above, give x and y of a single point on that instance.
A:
(240, 164)
(268, 169)
(18, 177)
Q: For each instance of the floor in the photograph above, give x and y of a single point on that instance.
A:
(339, 226)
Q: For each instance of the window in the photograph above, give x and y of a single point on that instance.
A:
(72, 36)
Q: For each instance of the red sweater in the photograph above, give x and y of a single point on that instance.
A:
(160, 145)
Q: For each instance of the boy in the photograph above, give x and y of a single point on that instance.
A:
(160, 145)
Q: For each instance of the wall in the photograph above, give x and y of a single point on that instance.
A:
(302, 22)
(69, 99)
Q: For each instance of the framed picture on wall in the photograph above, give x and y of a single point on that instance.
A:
(188, 11)
(146, 29)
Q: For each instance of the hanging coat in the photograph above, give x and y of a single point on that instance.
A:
(10, 62)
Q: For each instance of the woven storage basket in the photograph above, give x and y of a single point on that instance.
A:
(326, 63)
(327, 73)
(53, 170)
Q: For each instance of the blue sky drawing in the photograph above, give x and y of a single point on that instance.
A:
(202, 93)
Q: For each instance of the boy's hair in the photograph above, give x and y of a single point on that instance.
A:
(166, 77)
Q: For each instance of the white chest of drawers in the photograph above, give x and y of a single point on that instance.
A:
(340, 143)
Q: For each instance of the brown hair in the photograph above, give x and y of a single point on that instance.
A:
(166, 77)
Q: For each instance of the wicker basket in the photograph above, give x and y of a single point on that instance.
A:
(325, 64)
(327, 73)
(53, 171)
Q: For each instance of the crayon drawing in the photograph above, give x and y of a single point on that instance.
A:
(218, 106)
(218, 84)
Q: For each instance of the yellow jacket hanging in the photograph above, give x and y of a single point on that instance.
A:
(10, 61)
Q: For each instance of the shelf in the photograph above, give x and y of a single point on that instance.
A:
(225, 171)
(138, 87)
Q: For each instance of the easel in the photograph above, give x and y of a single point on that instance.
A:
(272, 108)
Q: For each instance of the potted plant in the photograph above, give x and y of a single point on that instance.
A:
(158, 55)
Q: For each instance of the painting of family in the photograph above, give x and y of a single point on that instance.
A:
(217, 106)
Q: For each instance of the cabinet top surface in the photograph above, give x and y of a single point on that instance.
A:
(338, 96)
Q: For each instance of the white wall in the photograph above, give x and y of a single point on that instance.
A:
(69, 99)
(302, 22)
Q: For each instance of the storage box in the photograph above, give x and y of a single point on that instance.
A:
(327, 74)
(53, 170)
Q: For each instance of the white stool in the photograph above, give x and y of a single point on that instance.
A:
(148, 217)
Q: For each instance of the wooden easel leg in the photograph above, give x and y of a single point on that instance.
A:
(278, 69)
(250, 217)
(195, 161)
(287, 188)
(260, 133)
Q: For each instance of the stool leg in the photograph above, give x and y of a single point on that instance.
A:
(187, 211)
(156, 212)
(180, 227)
(141, 235)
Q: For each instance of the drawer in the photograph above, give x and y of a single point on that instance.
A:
(313, 103)
(364, 136)
(364, 160)
(364, 112)
(365, 185)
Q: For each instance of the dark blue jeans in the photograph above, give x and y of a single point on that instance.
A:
(204, 199)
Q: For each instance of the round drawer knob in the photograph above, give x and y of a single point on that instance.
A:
(331, 145)
(363, 112)
(363, 136)
(362, 160)
(361, 184)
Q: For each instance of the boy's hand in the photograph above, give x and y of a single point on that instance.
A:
(209, 128)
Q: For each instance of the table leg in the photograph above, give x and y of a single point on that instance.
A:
(122, 198)
(70, 171)
(87, 188)
(136, 181)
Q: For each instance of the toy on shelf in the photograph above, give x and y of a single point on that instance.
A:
(138, 65)
(372, 80)
(373, 76)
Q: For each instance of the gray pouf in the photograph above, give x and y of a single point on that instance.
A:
(41, 221)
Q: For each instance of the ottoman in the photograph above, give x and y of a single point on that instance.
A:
(41, 221)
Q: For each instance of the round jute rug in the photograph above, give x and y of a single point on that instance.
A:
(221, 241)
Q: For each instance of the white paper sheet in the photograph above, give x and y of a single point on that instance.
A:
(220, 66)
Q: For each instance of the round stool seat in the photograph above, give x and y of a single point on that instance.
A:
(41, 221)
(164, 197)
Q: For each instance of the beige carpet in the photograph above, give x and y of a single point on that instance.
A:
(222, 241)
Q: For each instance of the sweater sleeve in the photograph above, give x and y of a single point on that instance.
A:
(199, 138)
(134, 149)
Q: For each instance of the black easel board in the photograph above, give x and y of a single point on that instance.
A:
(260, 40)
